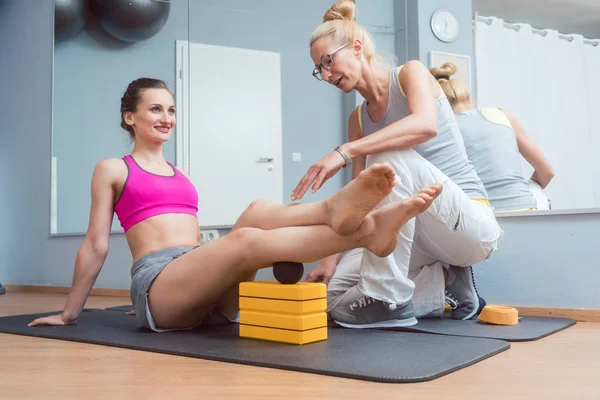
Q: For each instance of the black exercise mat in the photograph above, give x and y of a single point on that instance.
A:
(381, 356)
(528, 328)
(125, 308)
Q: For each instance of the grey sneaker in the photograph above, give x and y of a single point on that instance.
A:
(461, 293)
(451, 304)
(366, 312)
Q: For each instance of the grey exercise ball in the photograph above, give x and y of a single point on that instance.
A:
(131, 20)
(69, 18)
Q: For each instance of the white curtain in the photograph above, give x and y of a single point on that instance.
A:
(551, 83)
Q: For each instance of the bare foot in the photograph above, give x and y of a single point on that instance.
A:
(383, 225)
(349, 206)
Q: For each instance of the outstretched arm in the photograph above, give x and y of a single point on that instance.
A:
(543, 173)
(94, 248)
(419, 126)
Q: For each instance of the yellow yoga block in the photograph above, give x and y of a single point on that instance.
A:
(276, 290)
(499, 315)
(284, 306)
(283, 321)
(283, 335)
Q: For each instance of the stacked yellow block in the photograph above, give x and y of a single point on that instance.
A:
(275, 312)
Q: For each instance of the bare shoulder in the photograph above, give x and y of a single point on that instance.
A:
(110, 170)
(414, 74)
(413, 65)
(412, 68)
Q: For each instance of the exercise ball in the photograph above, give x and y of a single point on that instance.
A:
(69, 18)
(131, 20)
(288, 272)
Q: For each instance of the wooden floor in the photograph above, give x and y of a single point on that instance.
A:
(564, 365)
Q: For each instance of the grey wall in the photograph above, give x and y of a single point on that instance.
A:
(550, 261)
(406, 17)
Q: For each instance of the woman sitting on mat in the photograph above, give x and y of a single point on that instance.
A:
(406, 120)
(175, 282)
(495, 140)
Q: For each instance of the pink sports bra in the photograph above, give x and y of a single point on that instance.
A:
(146, 195)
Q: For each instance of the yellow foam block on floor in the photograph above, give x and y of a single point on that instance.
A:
(276, 290)
(283, 321)
(284, 306)
(283, 335)
(499, 315)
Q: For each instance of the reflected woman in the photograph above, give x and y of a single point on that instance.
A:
(495, 141)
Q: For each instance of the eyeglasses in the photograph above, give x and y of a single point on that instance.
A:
(326, 62)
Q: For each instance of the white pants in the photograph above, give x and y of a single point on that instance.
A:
(455, 230)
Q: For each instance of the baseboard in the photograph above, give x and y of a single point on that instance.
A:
(578, 314)
(65, 290)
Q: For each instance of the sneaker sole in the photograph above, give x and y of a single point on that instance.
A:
(393, 323)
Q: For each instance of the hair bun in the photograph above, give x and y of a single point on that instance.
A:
(445, 71)
(341, 10)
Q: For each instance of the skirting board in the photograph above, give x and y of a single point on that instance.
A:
(578, 314)
(65, 290)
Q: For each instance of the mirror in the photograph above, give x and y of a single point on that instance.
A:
(97, 53)
(100, 46)
(540, 60)
(239, 71)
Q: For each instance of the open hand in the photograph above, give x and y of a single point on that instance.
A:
(52, 320)
(318, 173)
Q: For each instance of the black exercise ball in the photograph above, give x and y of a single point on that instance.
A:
(131, 20)
(288, 272)
(69, 18)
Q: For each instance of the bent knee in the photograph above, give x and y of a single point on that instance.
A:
(259, 204)
(253, 214)
(245, 239)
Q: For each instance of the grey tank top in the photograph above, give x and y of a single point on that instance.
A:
(492, 147)
(446, 150)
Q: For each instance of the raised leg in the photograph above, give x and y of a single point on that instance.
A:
(193, 284)
(343, 211)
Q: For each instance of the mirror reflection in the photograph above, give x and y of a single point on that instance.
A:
(530, 126)
(241, 75)
(101, 46)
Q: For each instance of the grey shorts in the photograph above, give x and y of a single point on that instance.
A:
(143, 273)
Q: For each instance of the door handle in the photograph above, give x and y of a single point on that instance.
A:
(265, 160)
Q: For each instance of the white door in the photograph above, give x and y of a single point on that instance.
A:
(233, 148)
